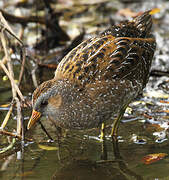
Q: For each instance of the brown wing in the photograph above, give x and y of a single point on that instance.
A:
(131, 60)
(84, 62)
(108, 57)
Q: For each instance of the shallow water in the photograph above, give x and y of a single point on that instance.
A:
(82, 156)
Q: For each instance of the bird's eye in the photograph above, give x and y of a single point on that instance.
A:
(44, 103)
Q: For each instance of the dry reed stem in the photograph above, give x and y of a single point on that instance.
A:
(4, 24)
(4, 27)
(4, 60)
(5, 149)
(22, 65)
(7, 117)
(11, 79)
(19, 117)
(9, 65)
(3, 132)
(35, 82)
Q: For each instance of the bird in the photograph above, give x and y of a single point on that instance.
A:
(98, 79)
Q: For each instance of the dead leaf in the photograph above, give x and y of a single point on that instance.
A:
(153, 127)
(151, 158)
(25, 174)
(48, 148)
(166, 102)
(4, 105)
(126, 12)
(147, 116)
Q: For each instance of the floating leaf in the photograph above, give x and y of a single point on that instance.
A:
(4, 105)
(153, 127)
(151, 158)
(166, 102)
(48, 148)
(27, 173)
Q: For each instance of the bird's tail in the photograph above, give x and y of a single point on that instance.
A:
(144, 22)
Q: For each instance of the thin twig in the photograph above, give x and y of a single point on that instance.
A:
(19, 116)
(11, 79)
(10, 68)
(23, 20)
(9, 71)
(9, 146)
(3, 132)
(4, 25)
(23, 57)
(7, 117)
(35, 83)
(4, 59)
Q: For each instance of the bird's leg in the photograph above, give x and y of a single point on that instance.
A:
(102, 134)
(121, 163)
(43, 128)
(104, 151)
(117, 121)
(102, 138)
(59, 133)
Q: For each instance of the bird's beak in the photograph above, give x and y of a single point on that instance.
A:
(34, 118)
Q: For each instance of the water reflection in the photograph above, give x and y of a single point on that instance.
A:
(83, 169)
(79, 157)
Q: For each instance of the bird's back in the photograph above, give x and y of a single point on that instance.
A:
(123, 51)
(108, 57)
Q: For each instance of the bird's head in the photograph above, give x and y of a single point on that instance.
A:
(46, 98)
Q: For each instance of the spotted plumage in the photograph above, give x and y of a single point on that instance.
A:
(99, 77)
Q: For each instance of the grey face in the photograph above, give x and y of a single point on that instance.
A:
(42, 101)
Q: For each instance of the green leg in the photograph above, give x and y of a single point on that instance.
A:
(104, 151)
(102, 138)
(102, 135)
(117, 121)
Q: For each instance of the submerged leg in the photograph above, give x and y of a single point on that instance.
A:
(104, 151)
(117, 121)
